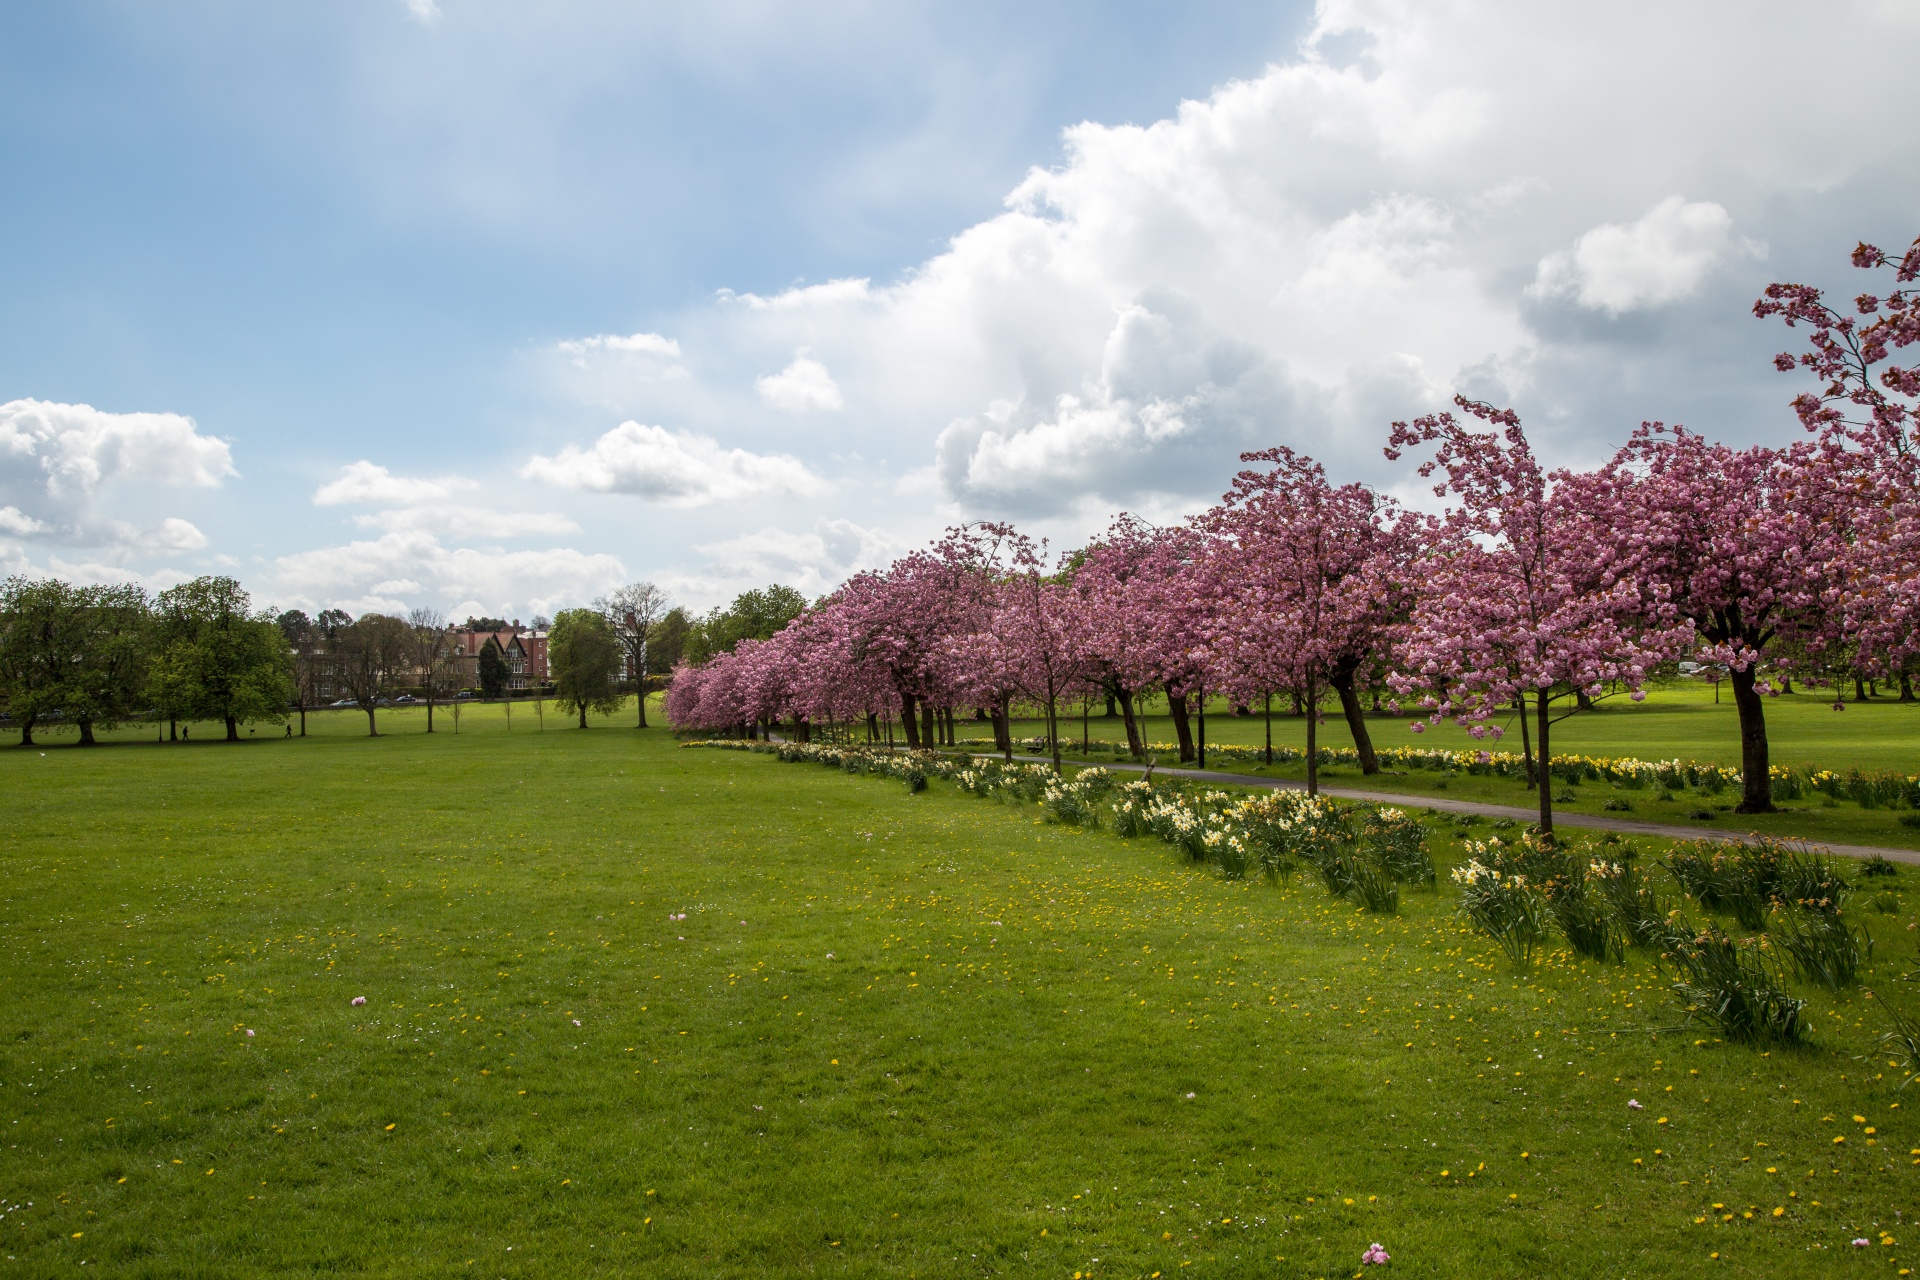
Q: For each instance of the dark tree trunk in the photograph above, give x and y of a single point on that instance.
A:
(373, 730)
(1053, 729)
(1111, 713)
(429, 711)
(1756, 794)
(303, 719)
(86, 734)
(642, 701)
(927, 717)
(233, 729)
(583, 715)
(909, 722)
(1135, 747)
(873, 727)
(803, 729)
(1859, 689)
(1182, 729)
(1313, 740)
(1581, 701)
(1546, 763)
(1786, 684)
(1342, 681)
(1906, 687)
(1002, 731)
(1200, 721)
(26, 731)
(1526, 743)
(173, 731)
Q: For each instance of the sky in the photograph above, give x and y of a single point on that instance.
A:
(491, 308)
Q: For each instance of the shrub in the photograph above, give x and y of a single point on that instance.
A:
(1877, 867)
(1733, 984)
(1503, 905)
(1618, 805)
(1630, 895)
(1821, 945)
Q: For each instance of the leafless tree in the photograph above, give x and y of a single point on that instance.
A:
(431, 645)
(371, 657)
(634, 610)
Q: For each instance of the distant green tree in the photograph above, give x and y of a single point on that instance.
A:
(371, 659)
(484, 624)
(668, 642)
(493, 669)
(753, 615)
(79, 651)
(585, 657)
(216, 660)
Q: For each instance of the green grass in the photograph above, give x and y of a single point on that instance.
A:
(1678, 721)
(894, 1035)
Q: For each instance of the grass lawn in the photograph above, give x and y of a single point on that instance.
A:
(1678, 721)
(639, 1010)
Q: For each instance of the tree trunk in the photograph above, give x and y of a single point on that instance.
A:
(1111, 713)
(373, 730)
(1002, 731)
(1268, 711)
(429, 711)
(233, 729)
(1136, 748)
(1581, 701)
(1200, 718)
(909, 722)
(26, 731)
(927, 718)
(1546, 765)
(583, 715)
(1342, 681)
(1053, 729)
(1859, 689)
(1182, 730)
(873, 727)
(86, 734)
(1786, 684)
(1313, 740)
(1526, 743)
(641, 701)
(1756, 794)
(1906, 687)
(303, 719)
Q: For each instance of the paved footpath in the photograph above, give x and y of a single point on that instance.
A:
(1622, 825)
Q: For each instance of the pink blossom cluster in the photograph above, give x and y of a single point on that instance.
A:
(1536, 593)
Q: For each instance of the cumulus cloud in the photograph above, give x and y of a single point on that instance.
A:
(801, 386)
(412, 566)
(633, 344)
(365, 483)
(470, 521)
(1356, 233)
(675, 468)
(814, 561)
(1661, 258)
(61, 465)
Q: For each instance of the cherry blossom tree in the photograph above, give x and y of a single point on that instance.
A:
(1306, 579)
(1526, 595)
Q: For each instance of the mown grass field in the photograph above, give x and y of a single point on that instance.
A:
(1681, 720)
(640, 1010)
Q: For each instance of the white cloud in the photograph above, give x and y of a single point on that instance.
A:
(63, 465)
(69, 451)
(813, 562)
(365, 483)
(1305, 255)
(677, 468)
(803, 385)
(424, 12)
(470, 521)
(1661, 258)
(15, 521)
(409, 567)
(644, 347)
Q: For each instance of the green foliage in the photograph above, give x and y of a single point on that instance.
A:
(584, 660)
(77, 652)
(1821, 945)
(494, 672)
(1734, 984)
(753, 615)
(216, 660)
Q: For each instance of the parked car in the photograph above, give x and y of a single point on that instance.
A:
(344, 703)
(406, 700)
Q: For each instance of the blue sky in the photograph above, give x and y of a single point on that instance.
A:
(492, 306)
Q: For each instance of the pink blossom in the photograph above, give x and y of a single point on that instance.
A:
(1634, 1103)
(249, 1033)
(359, 1000)
(1375, 1256)
(1861, 1242)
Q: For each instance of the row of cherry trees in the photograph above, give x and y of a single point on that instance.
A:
(1536, 591)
